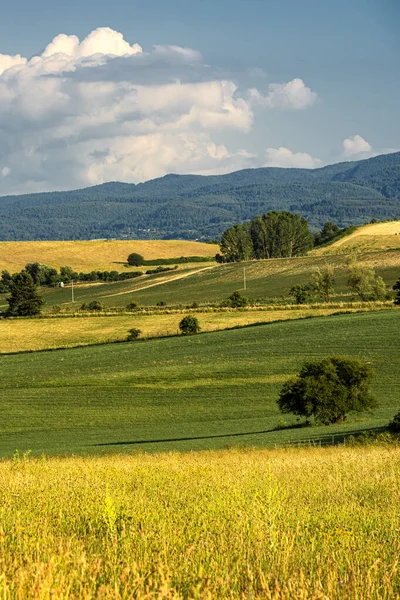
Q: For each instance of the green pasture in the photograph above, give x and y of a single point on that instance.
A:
(265, 279)
(187, 393)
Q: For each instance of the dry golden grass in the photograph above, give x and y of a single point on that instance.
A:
(18, 335)
(290, 524)
(96, 254)
(373, 237)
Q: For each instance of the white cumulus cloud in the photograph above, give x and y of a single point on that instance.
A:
(292, 95)
(356, 145)
(88, 111)
(283, 157)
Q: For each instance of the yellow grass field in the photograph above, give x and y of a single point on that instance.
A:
(99, 255)
(288, 524)
(373, 237)
(18, 335)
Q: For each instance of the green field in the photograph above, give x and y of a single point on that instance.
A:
(207, 391)
(297, 524)
(265, 279)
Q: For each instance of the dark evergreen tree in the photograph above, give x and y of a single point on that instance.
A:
(25, 300)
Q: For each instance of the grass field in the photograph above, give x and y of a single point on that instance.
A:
(21, 335)
(268, 279)
(377, 236)
(200, 392)
(298, 524)
(102, 255)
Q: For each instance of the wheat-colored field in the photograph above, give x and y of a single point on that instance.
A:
(18, 335)
(372, 237)
(289, 524)
(99, 255)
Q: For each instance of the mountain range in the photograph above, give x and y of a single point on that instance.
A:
(202, 207)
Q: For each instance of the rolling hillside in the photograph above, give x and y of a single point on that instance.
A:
(187, 393)
(377, 236)
(193, 207)
(102, 255)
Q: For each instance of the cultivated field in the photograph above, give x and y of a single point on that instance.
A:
(188, 393)
(298, 524)
(376, 236)
(20, 335)
(102, 255)
(266, 279)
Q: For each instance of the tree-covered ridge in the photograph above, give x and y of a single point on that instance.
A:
(194, 206)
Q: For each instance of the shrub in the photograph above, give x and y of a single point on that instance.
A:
(94, 306)
(235, 300)
(131, 306)
(189, 325)
(394, 425)
(135, 260)
(161, 303)
(133, 334)
(328, 389)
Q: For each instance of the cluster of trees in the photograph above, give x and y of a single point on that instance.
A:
(362, 281)
(275, 234)
(43, 275)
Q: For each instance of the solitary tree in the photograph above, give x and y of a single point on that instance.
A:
(135, 260)
(189, 325)
(300, 293)
(396, 288)
(235, 300)
(25, 300)
(365, 283)
(323, 282)
(328, 389)
(133, 334)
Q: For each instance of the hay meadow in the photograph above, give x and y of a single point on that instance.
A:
(298, 524)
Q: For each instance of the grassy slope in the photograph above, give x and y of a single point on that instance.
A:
(373, 237)
(201, 392)
(271, 525)
(45, 333)
(92, 255)
(265, 279)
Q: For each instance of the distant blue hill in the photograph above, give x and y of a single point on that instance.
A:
(201, 207)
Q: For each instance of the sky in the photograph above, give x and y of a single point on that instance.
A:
(96, 91)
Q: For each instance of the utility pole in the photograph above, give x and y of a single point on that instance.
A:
(72, 291)
(244, 278)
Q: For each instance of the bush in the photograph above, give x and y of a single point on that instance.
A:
(235, 300)
(394, 425)
(135, 260)
(189, 325)
(94, 306)
(161, 303)
(133, 334)
(328, 389)
(131, 306)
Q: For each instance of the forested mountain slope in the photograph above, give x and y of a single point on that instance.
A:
(194, 206)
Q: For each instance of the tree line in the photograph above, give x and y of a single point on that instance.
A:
(276, 234)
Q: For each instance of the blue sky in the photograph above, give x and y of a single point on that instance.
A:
(346, 55)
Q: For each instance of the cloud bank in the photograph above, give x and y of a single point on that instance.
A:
(356, 145)
(283, 157)
(101, 109)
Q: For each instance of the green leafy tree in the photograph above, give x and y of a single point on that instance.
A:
(189, 325)
(42, 274)
(236, 244)
(133, 334)
(328, 389)
(396, 288)
(394, 425)
(135, 260)
(67, 274)
(323, 282)
(5, 282)
(94, 306)
(364, 282)
(300, 293)
(25, 300)
(235, 300)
